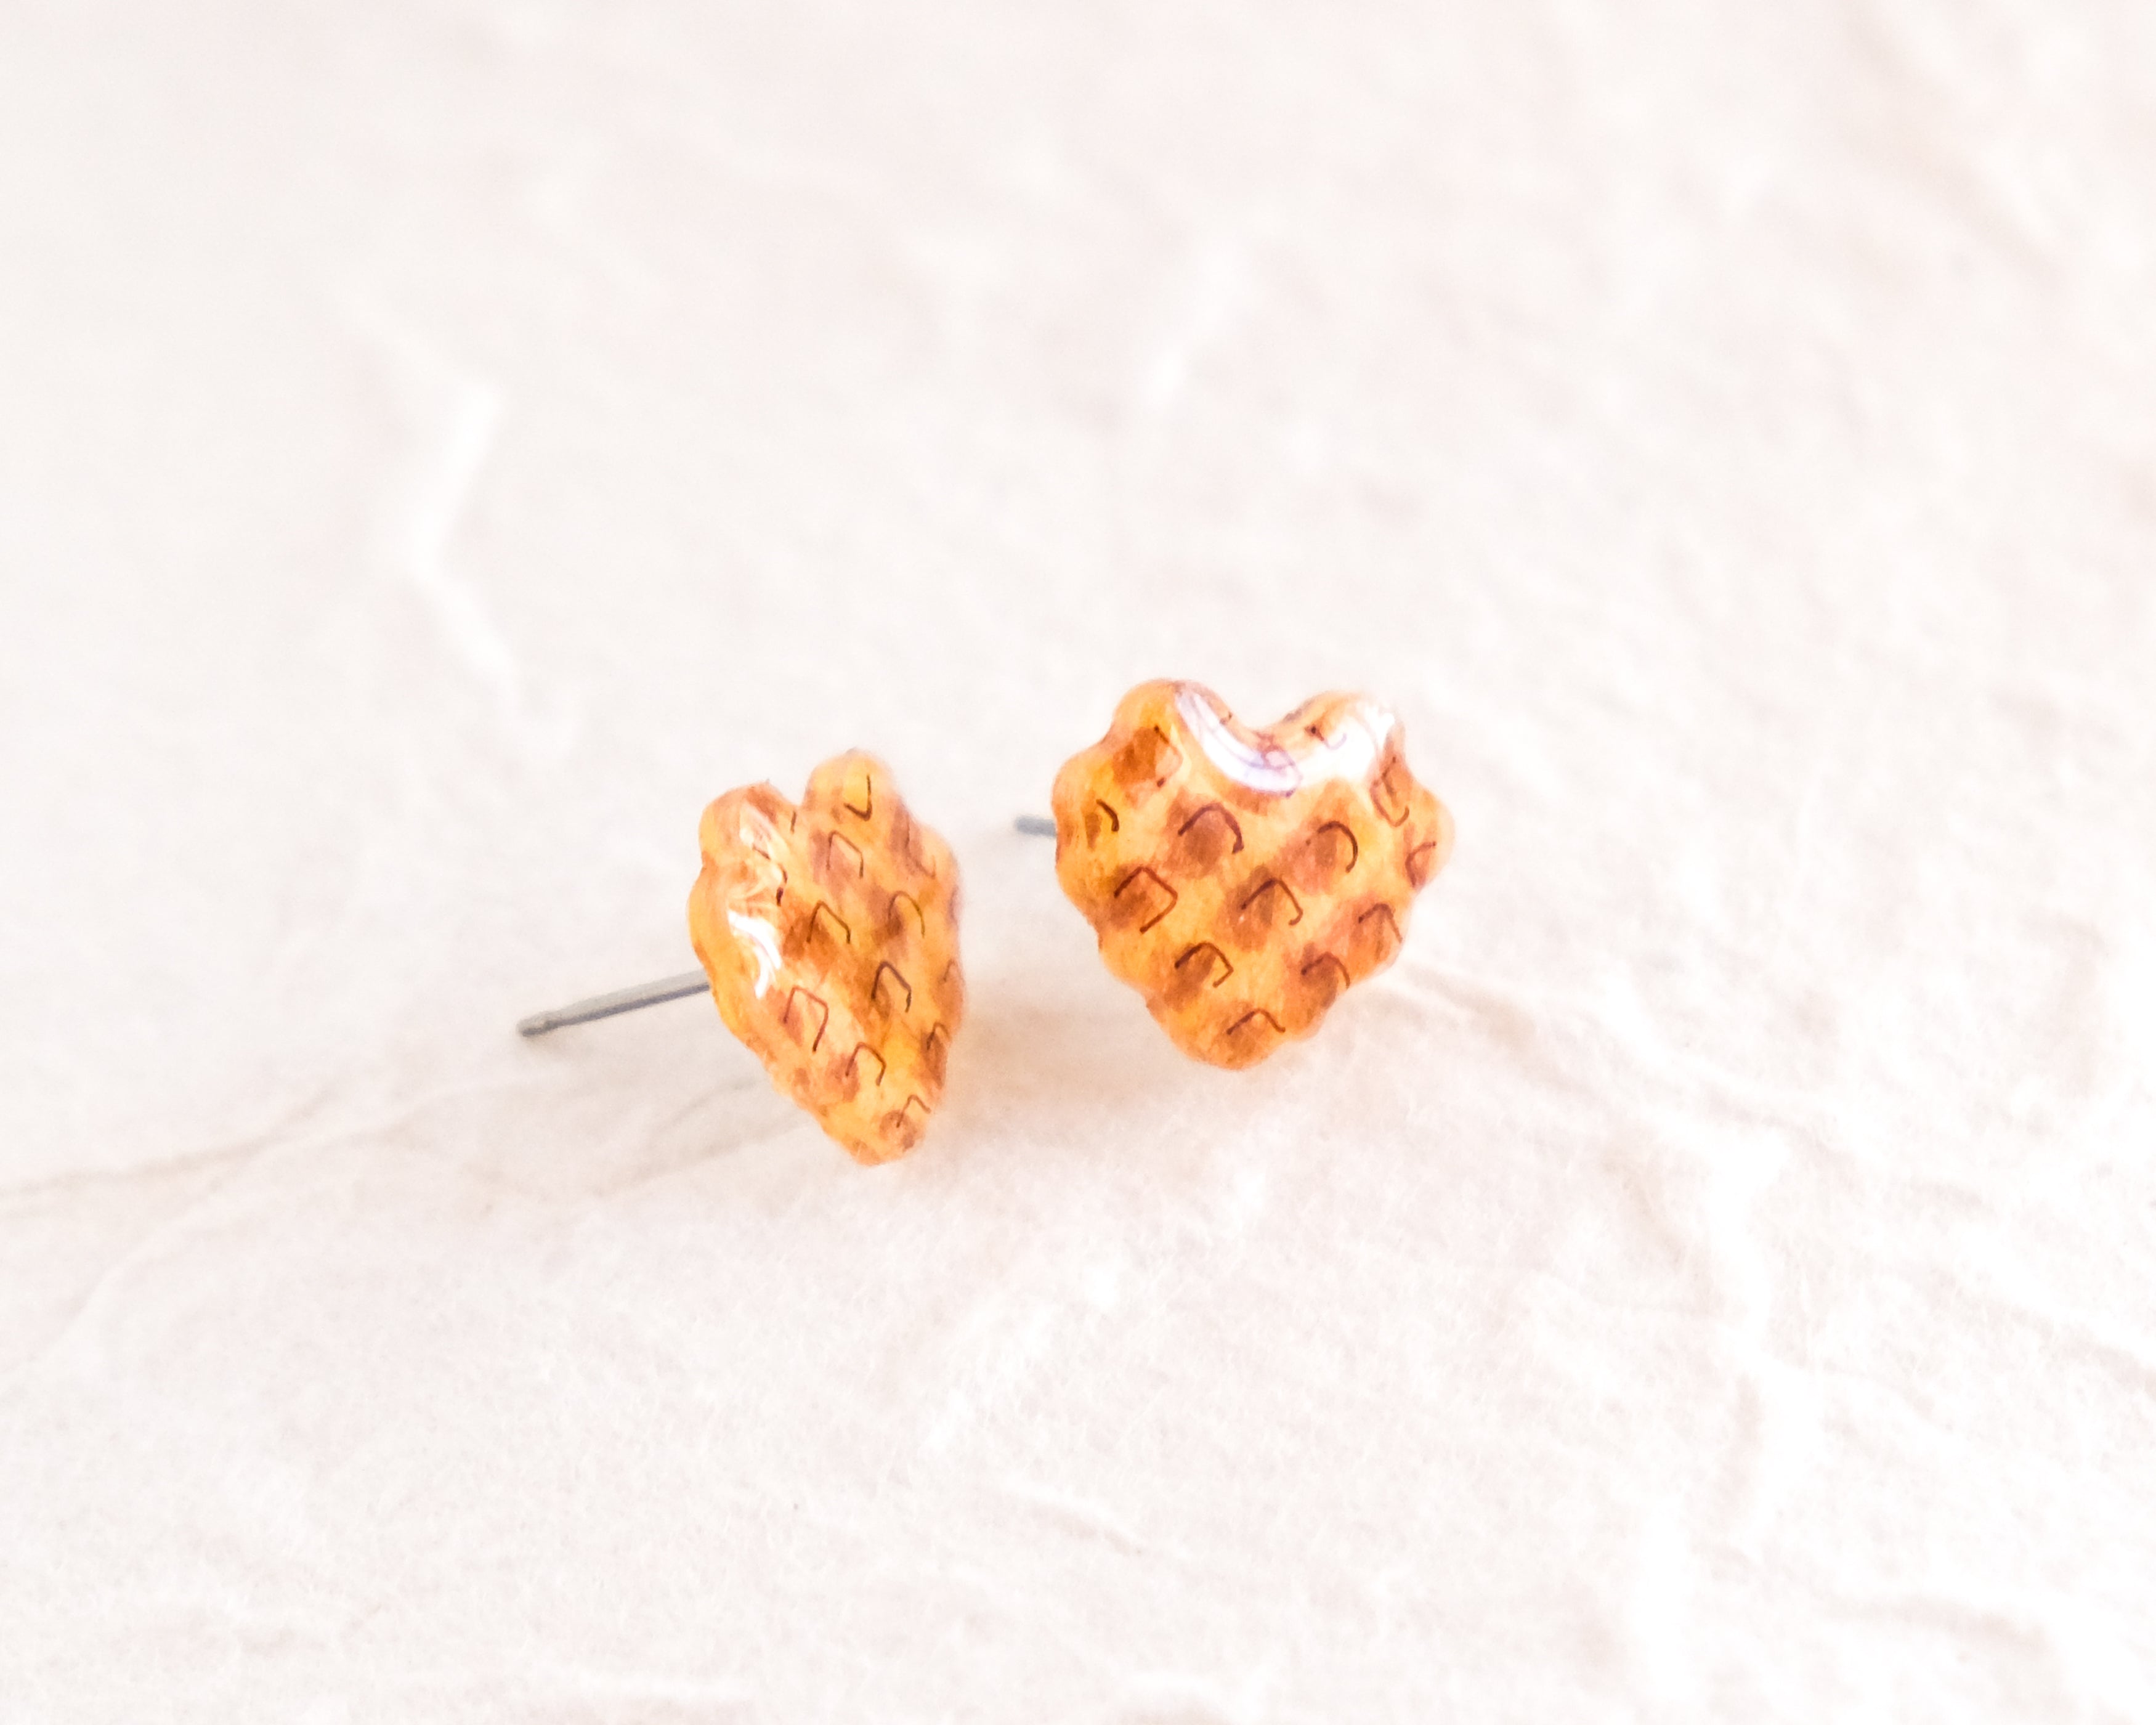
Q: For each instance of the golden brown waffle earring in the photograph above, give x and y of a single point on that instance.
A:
(829, 934)
(1243, 881)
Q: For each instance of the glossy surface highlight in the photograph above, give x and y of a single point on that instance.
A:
(830, 933)
(1243, 880)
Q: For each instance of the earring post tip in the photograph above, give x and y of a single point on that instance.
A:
(605, 1006)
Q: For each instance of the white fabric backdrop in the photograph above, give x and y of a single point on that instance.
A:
(1711, 1277)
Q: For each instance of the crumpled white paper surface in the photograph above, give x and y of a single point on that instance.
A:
(1712, 1275)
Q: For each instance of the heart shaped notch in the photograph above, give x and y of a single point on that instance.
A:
(830, 934)
(1242, 880)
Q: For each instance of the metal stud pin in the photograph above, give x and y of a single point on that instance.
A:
(605, 1006)
(689, 983)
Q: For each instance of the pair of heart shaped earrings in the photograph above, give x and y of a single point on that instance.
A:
(1240, 879)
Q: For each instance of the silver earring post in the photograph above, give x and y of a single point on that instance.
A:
(605, 1006)
(681, 987)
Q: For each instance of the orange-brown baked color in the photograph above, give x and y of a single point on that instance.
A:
(1243, 881)
(830, 933)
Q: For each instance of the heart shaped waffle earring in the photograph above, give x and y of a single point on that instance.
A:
(829, 934)
(1242, 880)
